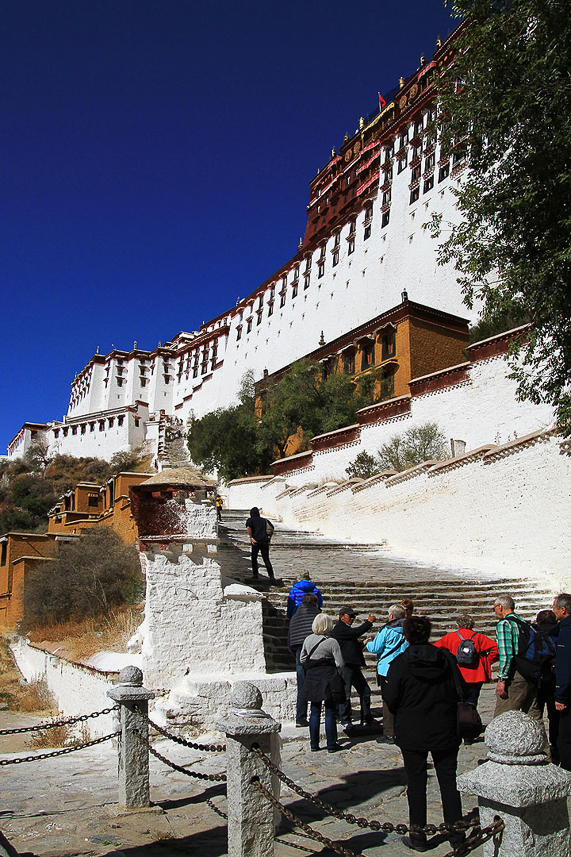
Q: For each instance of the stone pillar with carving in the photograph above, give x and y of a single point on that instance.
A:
(520, 787)
(251, 817)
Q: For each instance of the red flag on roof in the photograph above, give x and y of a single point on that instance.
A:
(382, 102)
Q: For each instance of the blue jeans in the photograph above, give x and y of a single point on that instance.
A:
(301, 709)
(330, 724)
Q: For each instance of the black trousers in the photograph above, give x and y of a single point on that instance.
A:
(415, 765)
(352, 675)
(564, 738)
(264, 549)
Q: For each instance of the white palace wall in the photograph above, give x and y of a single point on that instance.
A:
(506, 512)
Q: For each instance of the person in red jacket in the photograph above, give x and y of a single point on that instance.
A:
(487, 653)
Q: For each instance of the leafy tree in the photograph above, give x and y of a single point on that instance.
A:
(226, 440)
(89, 577)
(506, 103)
(303, 404)
(417, 444)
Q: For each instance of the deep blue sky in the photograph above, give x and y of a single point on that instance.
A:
(155, 157)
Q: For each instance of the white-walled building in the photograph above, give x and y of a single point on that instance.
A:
(365, 250)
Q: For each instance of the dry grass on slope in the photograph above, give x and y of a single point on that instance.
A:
(80, 639)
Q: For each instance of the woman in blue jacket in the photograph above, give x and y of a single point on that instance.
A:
(388, 643)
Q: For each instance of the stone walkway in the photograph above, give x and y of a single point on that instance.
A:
(67, 806)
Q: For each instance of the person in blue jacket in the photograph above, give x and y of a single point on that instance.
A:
(299, 589)
(562, 610)
(388, 643)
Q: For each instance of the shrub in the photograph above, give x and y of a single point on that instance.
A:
(414, 446)
(364, 466)
(88, 578)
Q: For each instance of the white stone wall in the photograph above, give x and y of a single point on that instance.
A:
(482, 410)
(105, 438)
(191, 626)
(257, 491)
(506, 516)
(78, 689)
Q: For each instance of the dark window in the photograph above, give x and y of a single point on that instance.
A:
(238, 333)
(137, 422)
(414, 194)
(74, 429)
(321, 269)
(444, 171)
(349, 362)
(351, 247)
(294, 290)
(270, 308)
(249, 325)
(306, 280)
(428, 184)
(92, 500)
(4, 553)
(367, 233)
(388, 346)
(282, 300)
(385, 219)
(336, 258)
(120, 421)
(367, 355)
(415, 174)
(111, 422)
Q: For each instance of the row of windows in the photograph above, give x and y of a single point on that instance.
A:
(82, 429)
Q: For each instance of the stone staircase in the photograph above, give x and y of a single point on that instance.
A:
(370, 579)
(174, 451)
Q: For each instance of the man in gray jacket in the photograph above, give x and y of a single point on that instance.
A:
(299, 629)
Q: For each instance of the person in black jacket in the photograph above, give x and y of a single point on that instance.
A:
(562, 610)
(352, 651)
(260, 532)
(421, 692)
(299, 629)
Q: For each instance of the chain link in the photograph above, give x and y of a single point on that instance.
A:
(63, 752)
(217, 778)
(216, 809)
(313, 834)
(213, 748)
(477, 838)
(67, 722)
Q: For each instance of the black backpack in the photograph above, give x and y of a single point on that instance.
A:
(535, 659)
(467, 654)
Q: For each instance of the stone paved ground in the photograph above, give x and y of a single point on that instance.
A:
(67, 806)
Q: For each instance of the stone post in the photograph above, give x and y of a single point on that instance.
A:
(520, 787)
(133, 756)
(250, 814)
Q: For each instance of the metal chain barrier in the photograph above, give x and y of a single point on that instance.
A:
(63, 752)
(470, 844)
(67, 722)
(480, 835)
(386, 827)
(213, 748)
(217, 778)
(312, 834)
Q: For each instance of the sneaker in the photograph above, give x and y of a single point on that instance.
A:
(303, 724)
(414, 844)
(389, 739)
